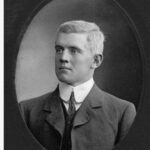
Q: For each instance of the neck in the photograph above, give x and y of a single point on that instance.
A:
(78, 83)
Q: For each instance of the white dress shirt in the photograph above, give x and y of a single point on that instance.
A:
(80, 92)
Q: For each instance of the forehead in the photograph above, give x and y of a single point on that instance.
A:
(71, 39)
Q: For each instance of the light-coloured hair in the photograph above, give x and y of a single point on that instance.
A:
(95, 36)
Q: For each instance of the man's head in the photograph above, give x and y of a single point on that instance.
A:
(79, 47)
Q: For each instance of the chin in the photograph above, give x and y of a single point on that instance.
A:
(64, 79)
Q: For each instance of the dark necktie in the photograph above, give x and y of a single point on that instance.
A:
(66, 144)
(71, 109)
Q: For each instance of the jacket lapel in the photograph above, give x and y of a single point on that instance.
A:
(93, 101)
(55, 115)
(54, 110)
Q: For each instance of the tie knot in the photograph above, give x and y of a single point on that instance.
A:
(71, 109)
(72, 96)
(72, 99)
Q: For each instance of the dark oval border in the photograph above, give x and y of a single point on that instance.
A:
(12, 72)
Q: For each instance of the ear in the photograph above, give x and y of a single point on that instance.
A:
(97, 60)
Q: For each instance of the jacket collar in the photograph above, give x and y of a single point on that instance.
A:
(54, 110)
(93, 101)
(55, 117)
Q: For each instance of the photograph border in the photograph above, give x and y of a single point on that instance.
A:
(17, 17)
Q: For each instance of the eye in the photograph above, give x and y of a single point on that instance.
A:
(73, 50)
(59, 49)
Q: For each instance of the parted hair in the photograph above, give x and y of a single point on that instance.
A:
(95, 36)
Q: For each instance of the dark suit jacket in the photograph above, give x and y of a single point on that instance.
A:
(100, 123)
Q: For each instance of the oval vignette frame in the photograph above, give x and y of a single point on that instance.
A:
(41, 5)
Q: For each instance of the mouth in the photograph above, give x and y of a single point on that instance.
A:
(64, 68)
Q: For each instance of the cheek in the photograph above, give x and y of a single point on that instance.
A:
(56, 60)
(82, 63)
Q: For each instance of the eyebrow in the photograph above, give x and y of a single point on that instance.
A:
(58, 46)
(79, 49)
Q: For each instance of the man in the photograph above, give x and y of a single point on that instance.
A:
(78, 115)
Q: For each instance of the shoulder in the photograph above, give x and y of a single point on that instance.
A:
(108, 100)
(35, 102)
(116, 101)
(114, 106)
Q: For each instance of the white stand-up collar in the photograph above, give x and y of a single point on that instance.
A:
(80, 91)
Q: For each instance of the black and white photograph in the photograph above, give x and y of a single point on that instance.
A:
(77, 76)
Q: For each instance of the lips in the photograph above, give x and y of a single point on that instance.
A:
(64, 68)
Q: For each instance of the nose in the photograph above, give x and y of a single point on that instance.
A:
(64, 57)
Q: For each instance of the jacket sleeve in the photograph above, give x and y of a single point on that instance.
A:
(126, 120)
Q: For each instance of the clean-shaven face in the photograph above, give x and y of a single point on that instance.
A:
(73, 59)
